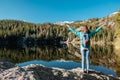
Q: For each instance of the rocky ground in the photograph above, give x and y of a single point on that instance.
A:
(9, 71)
(5, 65)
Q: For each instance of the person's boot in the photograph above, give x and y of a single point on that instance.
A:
(86, 71)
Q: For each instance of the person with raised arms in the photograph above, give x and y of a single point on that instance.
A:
(85, 34)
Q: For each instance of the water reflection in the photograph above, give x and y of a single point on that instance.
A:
(100, 55)
(46, 53)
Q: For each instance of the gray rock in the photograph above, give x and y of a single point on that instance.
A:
(5, 65)
(40, 72)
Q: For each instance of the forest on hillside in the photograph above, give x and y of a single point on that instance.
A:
(13, 31)
(17, 32)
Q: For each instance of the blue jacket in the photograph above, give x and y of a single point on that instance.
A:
(81, 35)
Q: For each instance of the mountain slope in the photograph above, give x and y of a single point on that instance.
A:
(11, 30)
(104, 35)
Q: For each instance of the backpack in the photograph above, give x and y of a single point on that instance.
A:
(86, 40)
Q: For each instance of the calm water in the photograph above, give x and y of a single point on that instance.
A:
(103, 58)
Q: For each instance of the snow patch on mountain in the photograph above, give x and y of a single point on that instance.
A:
(64, 22)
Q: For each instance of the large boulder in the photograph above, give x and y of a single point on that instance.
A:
(40, 72)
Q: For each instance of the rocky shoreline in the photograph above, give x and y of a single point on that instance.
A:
(5, 65)
(8, 71)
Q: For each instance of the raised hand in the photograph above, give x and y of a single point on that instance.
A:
(104, 26)
(67, 25)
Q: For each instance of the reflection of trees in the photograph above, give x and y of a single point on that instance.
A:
(105, 56)
(99, 54)
(40, 53)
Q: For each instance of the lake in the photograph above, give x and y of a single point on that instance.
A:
(102, 58)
